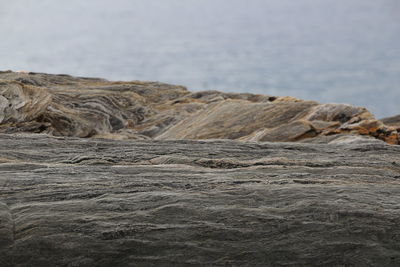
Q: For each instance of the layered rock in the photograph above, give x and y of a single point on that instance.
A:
(392, 121)
(330, 198)
(62, 105)
(95, 202)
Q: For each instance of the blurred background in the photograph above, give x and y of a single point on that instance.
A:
(345, 51)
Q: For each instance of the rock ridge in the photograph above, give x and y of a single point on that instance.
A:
(63, 105)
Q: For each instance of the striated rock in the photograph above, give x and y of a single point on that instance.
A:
(63, 105)
(93, 202)
(292, 131)
(235, 119)
(134, 194)
(21, 103)
(392, 121)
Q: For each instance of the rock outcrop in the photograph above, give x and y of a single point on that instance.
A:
(138, 189)
(95, 202)
(392, 121)
(62, 105)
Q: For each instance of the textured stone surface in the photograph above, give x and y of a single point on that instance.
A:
(93, 202)
(62, 105)
(392, 121)
(141, 191)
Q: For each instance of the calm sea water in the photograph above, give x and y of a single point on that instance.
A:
(344, 51)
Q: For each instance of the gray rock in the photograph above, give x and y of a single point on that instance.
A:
(93, 202)
(392, 121)
(139, 190)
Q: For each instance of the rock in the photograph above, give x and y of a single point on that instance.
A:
(94, 202)
(141, 190)
(234, 119)
(292, 131)
(392, 121)
(336, 112)
(20, 103)
(63, 105)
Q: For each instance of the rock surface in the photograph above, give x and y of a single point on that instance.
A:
(139, 190)
(392, 121)
(62, 105)
(94, 202)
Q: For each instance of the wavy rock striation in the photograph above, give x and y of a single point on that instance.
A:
(328, 196)
(392, 121)
(95, 202)
(62, 105)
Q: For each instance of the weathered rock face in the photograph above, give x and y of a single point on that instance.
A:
(20, 103)
(393, 121)
(330, 199)
(62, 105)
(94, 202)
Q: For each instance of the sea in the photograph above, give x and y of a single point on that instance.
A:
(331, 51)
